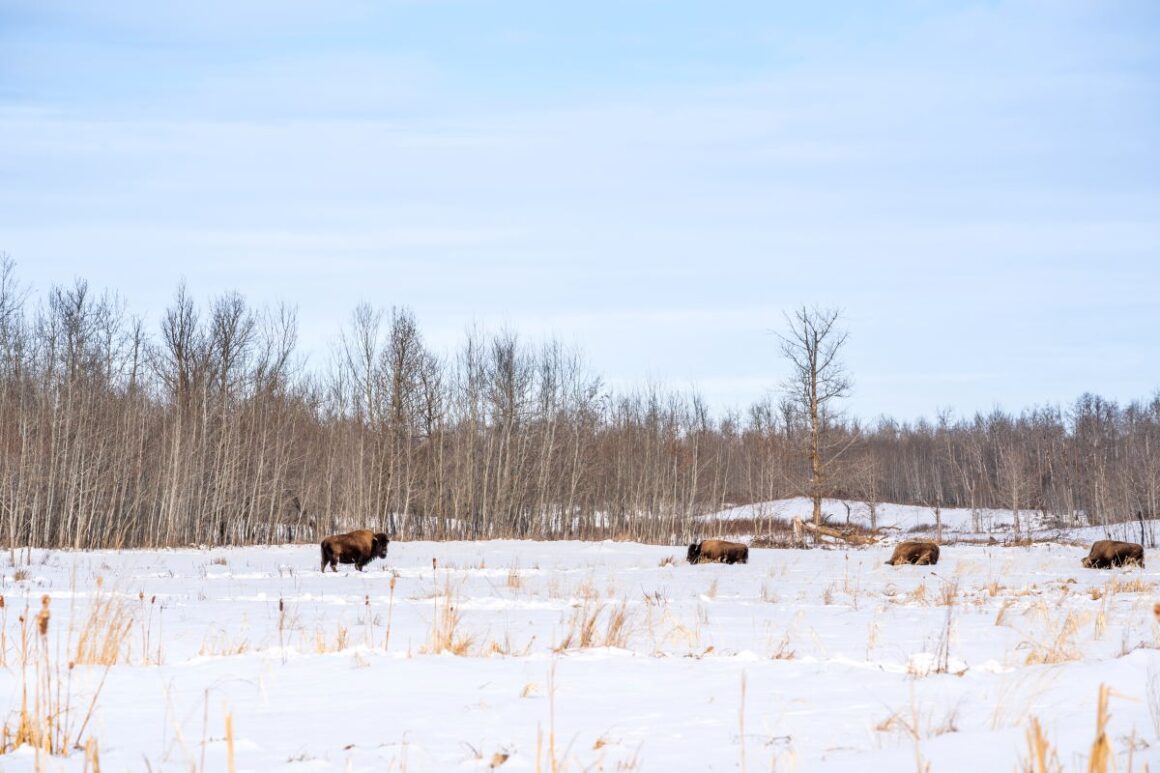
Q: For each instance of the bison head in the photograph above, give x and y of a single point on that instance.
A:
(380, 545)
(694, 554)
(1087, 562)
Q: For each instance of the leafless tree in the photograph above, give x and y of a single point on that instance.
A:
(812, 344)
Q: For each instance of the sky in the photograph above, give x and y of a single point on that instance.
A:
(976, 185)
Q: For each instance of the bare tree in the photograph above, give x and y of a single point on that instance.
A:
(813, 344)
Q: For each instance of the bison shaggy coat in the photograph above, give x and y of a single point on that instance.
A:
(1109, 552)
(718, 550)
(914, 552)
(356, 547)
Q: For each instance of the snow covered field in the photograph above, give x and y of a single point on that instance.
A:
(599, 656)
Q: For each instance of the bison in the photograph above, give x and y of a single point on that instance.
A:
(718, 550)
(1109, 552)
(914, 552)
(357, 547)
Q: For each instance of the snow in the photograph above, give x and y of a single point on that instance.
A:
(919, 519)
(831, 659)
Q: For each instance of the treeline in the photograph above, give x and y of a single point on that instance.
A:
(209, 429)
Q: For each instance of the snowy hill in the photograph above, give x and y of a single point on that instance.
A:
(957, 522)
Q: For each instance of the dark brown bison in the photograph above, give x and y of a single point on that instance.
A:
(1109, 552)
(718, 550)
(357, 547)
(914, 552)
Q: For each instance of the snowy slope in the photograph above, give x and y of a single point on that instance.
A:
(835, 651)
(904, 519)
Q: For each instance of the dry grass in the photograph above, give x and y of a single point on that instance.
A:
(872, 637)
(667, 629)
(324, 643)
(667, 561)
(909, 725)
(219, 644)
(445, 635)
(103, 638)
(505, 647)
(1132, 585)
(1060, 645)
(92, 756)
(1101, 758)
(1001, 615)
(1101, 623)
(586, 591)
(43, 720)
(585, 628)
(949, 593)
(943, 649)
(149, 654)
(390, 613)
(994, 588)
(1041, 758)
(782, 650)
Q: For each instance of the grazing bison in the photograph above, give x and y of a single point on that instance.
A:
(914, 552)
(357, 547)
(1109, 552)
(718, 550)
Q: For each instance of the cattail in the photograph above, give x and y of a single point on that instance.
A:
(1, 602)
(281, 606)
(141, 595)
(393, 578)
(434, 564)
(42, 617)
(1155, 609)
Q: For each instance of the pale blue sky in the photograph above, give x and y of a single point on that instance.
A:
(977, 185)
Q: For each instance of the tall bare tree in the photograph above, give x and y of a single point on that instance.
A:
(812, 344)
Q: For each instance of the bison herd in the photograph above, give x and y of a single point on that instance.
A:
(362, 546)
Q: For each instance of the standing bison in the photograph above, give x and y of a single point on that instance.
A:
(357, 547)
(914, 552)
(718, 550)
(1109, 552)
